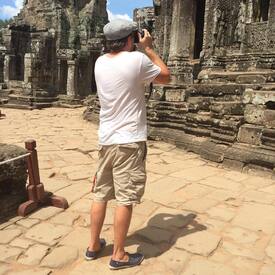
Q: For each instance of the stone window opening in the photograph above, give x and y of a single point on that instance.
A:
(260, 10)
(270, 105)
(199, 28)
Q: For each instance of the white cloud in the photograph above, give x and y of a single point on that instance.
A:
(8, 11)
(113, 16)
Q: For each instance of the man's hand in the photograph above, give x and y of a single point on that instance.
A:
(146, 42)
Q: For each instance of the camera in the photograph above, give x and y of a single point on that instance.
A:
(136, 35)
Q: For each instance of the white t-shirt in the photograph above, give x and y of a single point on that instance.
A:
(120, 85)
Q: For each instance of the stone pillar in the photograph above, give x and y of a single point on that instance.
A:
(271, 25)
(182, 41)
(28, 68)
(71, 80)
(2, 68)
(7, 68)
(59, 75)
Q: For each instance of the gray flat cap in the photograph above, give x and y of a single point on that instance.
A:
(119, 28)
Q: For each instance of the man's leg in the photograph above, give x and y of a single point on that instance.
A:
(122, 221)
(98, 211)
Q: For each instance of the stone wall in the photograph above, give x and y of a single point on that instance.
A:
(221, 106)
(13, 178)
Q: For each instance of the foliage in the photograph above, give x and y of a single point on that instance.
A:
(4, 23)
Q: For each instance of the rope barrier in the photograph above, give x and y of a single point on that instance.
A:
(13, 159)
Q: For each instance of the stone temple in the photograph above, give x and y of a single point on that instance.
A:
(221, 101)
(49, 51)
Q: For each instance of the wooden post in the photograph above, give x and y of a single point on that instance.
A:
(36, 193)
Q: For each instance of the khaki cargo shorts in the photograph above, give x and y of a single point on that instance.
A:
(121, 173)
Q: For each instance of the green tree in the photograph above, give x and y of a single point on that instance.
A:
(4, 23)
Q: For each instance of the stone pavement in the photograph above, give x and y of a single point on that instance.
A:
(196, 218)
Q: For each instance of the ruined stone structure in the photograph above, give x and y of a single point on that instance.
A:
(49, 50)
(221, 102)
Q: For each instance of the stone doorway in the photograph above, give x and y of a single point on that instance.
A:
(63, 76)
(199, 27)
(260, 10)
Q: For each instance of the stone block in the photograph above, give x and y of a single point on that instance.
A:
(40, 233)
(60, 257)
(34, 255)
(13, 178)
(256, 217)
(8, 235)
(206, 267)
(255, 97)
(175, 95)
(254, 114)
(212, 151)
(227, 108)
(201, 243)
(250, 134)
(251, 79)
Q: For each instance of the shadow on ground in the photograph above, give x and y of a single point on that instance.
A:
(160, 233)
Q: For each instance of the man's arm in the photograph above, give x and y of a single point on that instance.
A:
(146, 43)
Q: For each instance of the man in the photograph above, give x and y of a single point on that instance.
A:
(120, 76)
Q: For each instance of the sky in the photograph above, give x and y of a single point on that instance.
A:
(116, 8)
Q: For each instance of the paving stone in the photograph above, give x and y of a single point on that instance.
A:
(45, 213)
(4, 269)
(47, 233)
(75, 192)
(9, 222)
(34, 255)
(200, 242)
(8, 253)
(269, 189)
(222, 183)
(221, 212)
(145, 208)
(240, 235)
(215, 225)
(195, 174)
(256, 217)
(194, 191)
(78, 238)
(169, 184)
(65, 218)
(82, 205)
(256, 196)
(174, 259)
(27, 222)
(267, 269)
(205, 267)
(199, 205)
(21, 243)
(36, 271)
(236, 176)
(245, 266)
(155, 235)
(251, 252)
(270, 250)
(60, 257)
(137, 223)
(222, 195)
(7, 235)
(56, 183)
